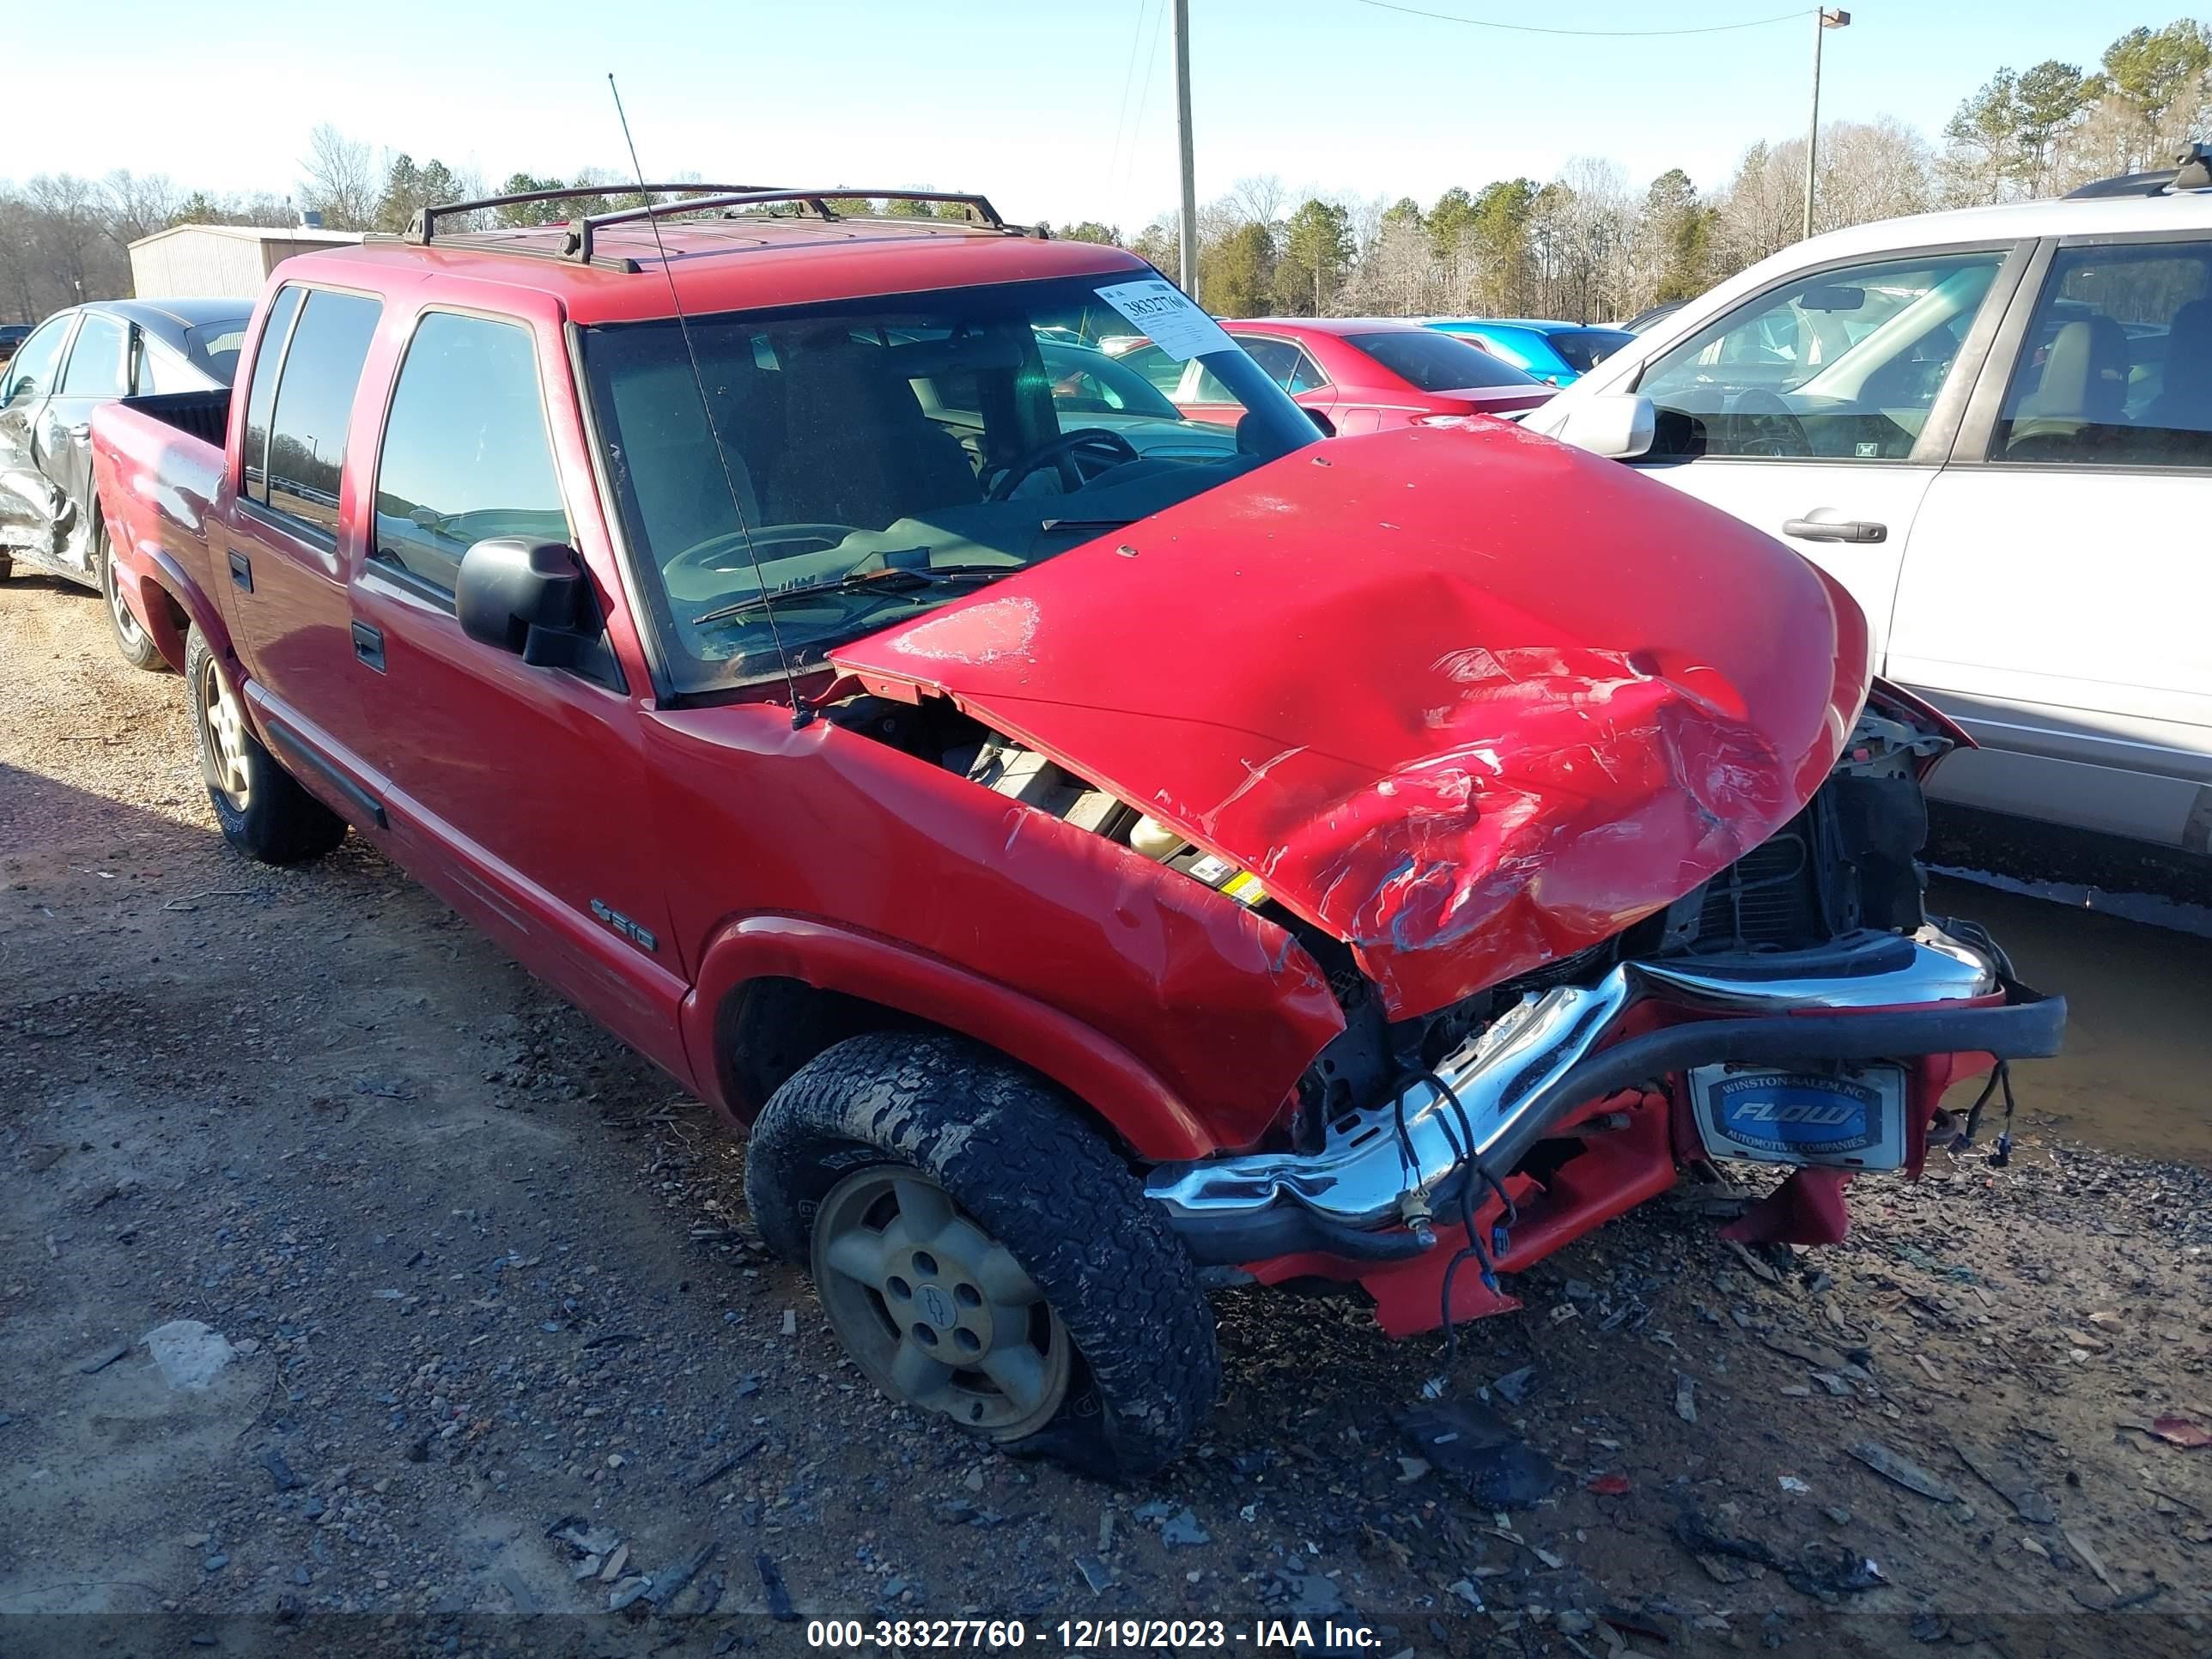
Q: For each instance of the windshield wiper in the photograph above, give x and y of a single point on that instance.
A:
(888, 578)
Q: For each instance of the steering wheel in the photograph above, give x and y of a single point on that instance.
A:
(1059, 454)
(1767, 426)
(746, 543)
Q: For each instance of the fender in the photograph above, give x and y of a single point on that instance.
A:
(153, 568)
(1089, 1066)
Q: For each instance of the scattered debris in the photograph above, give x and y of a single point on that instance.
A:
(1181, 1529)
(627, 1592)
(2079, 1545)
(1820, 1568)
(1468, 1441)
(1791, 1483)
(1515, 1385)
(1904, 1471)
(1609, 1486)
(1819, 1358)
(188, 1353)
(1686, 1397)
(585, 1540)
(778, 1598)
(667, 1586)
(280, 1472)
(1096, 1573)
(716, 1464)
(2180, 1432)
(107, 1356)
(2010, 1482)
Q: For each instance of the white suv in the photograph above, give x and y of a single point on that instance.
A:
(1994, 427)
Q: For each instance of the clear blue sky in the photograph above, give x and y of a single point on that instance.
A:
(1057, 109)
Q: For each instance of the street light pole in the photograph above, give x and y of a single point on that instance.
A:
(1188, 236)
(1827, 18)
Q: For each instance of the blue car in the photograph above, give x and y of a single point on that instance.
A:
(1555, 353)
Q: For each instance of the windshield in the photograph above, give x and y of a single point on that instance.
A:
(879, 457)
(1585, 349)
(1437, 362)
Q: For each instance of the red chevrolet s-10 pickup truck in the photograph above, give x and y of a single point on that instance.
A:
(1098, 856)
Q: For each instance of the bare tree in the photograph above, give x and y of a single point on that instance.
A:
(138, 206)
(1877, 169)
(341, 182)
(1258, 200)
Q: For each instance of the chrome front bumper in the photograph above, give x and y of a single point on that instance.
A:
(1516, 1078)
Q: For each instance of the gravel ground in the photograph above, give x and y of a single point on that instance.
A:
(452, 1299)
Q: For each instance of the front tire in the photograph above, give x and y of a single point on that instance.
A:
(263, 811)
(985, 1256)
(132, 638)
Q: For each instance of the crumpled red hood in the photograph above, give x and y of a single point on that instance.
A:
(1468, 699)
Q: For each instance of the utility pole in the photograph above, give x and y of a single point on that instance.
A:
(1188, 237)
(1825, 18)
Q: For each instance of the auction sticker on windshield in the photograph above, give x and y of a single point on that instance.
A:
(1166, 316)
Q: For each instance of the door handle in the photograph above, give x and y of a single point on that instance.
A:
(241, 572)
(1835, 530)
(368, 645)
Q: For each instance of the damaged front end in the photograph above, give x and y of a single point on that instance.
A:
(1798, 1009)
(1602, 838)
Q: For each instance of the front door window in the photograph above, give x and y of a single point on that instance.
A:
(1845, 364)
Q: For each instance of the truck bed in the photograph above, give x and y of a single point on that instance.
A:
(157, 462)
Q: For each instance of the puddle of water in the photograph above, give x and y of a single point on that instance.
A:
(2139, 1000)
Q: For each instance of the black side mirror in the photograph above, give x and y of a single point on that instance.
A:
(530, 597)
(1328, 427)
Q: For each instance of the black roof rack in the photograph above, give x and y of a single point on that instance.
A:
(2192, 170)
(578, 243)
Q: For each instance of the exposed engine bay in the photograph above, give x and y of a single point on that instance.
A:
(1845, 867)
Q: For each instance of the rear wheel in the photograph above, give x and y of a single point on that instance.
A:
(264, 812)
(132, 638)
(983, 1254)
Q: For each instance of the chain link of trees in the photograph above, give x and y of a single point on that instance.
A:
(1584, 246)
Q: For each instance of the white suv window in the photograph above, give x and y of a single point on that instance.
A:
(2115, 367)
(1843, 364)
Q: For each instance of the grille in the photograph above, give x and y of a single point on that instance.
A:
(1767, 898)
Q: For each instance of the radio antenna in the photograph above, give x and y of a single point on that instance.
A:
(800, 714)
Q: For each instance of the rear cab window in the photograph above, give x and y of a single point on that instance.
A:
(465, 453)
(301, 402)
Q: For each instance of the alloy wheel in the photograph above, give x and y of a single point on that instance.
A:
(936, 1312)
(226, 735)
(126, 625)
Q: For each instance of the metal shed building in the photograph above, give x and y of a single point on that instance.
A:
(219, 261)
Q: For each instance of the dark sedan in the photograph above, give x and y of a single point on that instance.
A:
(72, 363)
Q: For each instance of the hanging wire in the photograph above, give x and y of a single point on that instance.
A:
(1590, 34)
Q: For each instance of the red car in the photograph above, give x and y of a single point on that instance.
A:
(1362, 374)
(1090, 871)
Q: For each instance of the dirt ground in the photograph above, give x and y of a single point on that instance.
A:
(475, 1290)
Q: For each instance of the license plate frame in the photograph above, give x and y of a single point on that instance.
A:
(1842, 1116)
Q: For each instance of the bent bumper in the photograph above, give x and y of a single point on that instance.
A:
(1886, 999)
